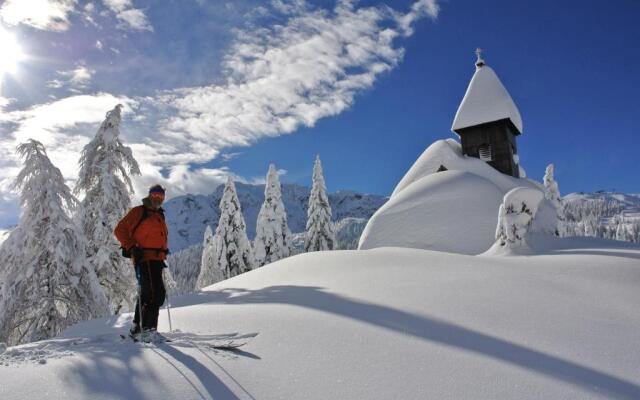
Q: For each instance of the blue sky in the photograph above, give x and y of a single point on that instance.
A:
(213, 88)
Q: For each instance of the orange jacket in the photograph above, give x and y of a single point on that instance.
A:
(150, 235)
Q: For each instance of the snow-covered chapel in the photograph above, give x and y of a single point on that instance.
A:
(488, 121)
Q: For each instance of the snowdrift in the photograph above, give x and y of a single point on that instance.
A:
(454, 210)
(386, 323)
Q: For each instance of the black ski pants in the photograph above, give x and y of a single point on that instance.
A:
(149, 274)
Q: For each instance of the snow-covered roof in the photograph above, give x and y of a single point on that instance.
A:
(486, 100)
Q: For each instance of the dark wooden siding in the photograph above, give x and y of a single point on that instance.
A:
(500, 136)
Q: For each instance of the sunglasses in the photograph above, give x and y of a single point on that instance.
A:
(157, 196)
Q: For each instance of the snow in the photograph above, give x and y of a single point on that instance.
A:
(437, 212)
(454, 210)
(376, 324)
(4, 234)
(486, 100)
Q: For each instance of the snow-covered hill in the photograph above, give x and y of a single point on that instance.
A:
(388, 323)
(187, 216)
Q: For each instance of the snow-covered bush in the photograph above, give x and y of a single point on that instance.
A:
(48, 284)
(516, 214)
(320, 232)
(105, 166)
(273, 238)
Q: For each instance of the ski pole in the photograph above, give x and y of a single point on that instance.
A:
(139, 279)
(166, 296)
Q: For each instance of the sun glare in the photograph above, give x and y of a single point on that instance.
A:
(10, 53)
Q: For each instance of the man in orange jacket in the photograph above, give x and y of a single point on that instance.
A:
(143, 235)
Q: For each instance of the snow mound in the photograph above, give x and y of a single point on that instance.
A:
(486, 100)
(448, 153)
(455, 210)
(452, 211)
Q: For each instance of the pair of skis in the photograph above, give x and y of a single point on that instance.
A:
(221, 341)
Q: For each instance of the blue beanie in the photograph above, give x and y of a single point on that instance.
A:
(156, 189)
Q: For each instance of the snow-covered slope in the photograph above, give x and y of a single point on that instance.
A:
(454, 210)
(187, 216)
(390, 323)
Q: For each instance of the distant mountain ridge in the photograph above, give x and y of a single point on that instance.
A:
(609, 215)
(188, 216)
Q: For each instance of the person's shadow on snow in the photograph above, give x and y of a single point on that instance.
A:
(118, 370)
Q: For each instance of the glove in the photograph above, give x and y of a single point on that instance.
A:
(137, 253)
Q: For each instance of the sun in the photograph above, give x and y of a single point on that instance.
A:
(10, 53)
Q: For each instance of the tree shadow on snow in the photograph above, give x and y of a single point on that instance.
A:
(434, 330)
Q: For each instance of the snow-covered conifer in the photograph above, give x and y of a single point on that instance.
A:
(48, 283)
(105, 167)
(620, 229)
(552, 193)
(233, 249)
(273, 237)
(516, 214)
(320, 233)
(210, 272)
(185, 268)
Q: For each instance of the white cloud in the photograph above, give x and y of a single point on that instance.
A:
(99, 45)
(230, 156)
(58, 125)
(289, 6)
(52, 15)
(77, 78)
(131, 18)
(182, 179)
(4, 102)
(288, 76)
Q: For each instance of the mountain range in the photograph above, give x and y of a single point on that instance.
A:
(188, 216)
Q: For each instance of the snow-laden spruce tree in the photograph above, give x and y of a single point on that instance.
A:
(185, 268)
(552, 193)
(105, 167)
(619, 226)
(515, 216)
(48, 283)
(320, 233)
(273, 237)
(233, 254)
(210, 271)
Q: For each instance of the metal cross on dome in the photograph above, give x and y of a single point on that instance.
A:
(479, 61)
